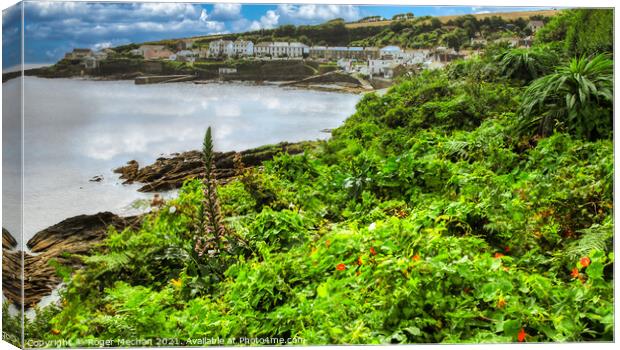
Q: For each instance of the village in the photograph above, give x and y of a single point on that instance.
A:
(371, 62)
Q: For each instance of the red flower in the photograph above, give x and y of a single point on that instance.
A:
(507, 249)
(341, 267)
(416, 257)
(574, 273)
(521, 335)
(585, 261)
(498, 255)
(373, 251)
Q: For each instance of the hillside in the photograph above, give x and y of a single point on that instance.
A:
(507, 16)
(338, 33)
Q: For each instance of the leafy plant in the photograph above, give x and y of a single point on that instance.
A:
(577, 98)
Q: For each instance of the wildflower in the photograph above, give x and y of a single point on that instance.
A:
(506, 249)
(328, 243)
(55, 331)
(357, 273)
(341, 267)
(172, 209)
(373, 251)
(360, 261)
(498, 255)
(521, 335)
(416, 257)
(585, 261)
(501, 303)
(575, 273)
(372, 227)
(176, 283)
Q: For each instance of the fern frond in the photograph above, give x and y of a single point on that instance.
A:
(596, 237)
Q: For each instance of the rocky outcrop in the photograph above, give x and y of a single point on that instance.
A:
(8, 242)
(170, 173)
(76, 235)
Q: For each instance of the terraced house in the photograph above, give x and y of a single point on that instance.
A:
(220, 48)
(280, 49)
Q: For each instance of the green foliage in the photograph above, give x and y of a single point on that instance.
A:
(277, 229)
(581, 31)
(424, 219)
(577, 97)
(526, 64)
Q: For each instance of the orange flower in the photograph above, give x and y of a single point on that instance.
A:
(328, 243)
(373, 251)
(521, 335)
(55, 331)
(360, 261)
(574, 273)
(501, 302)
(341, 267)
(498, 255)
(585, 261)
(416, 257)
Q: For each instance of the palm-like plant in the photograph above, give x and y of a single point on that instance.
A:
(578, 98)
(526, 64)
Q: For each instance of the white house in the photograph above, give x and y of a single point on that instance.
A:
(280, 49)
(243, 48)
(262, 49)
(390, 52)
(384, 68)
(297, 49)
(221, 47)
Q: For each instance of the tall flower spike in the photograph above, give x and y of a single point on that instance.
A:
(213, 228)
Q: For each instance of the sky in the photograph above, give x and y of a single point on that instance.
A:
(53, 28)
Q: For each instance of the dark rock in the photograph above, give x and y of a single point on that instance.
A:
(8, 242)
(168, 173)
(128, 171)
(97, 178)
(76, 235)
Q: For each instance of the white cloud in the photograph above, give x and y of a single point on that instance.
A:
(226, 11)
(317, 13)
(267, 21)
(102, 45)
(97, 21)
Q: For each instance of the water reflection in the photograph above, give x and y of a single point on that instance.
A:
(76, 129)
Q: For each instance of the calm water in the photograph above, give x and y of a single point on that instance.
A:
(76, 129)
